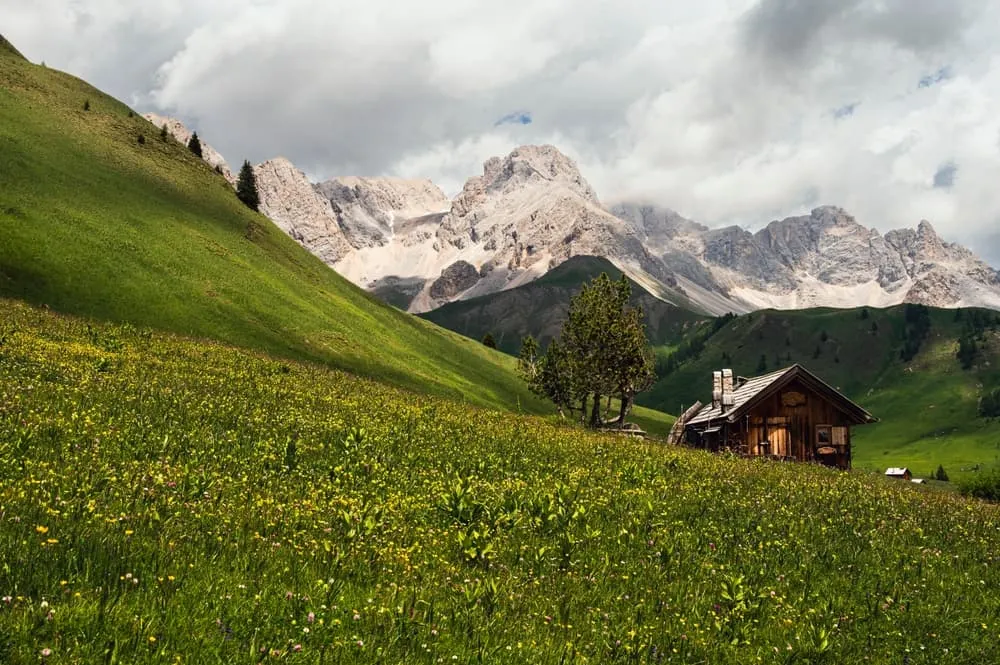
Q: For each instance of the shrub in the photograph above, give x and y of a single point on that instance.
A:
(86, 105)
(141, 139)
(982, 486)
(489, 341)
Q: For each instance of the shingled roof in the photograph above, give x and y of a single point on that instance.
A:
(752, 390)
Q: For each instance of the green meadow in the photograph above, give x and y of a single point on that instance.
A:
(167, 500)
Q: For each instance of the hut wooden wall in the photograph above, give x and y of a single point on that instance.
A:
(790, 425)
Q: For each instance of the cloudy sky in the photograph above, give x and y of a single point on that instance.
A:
(728, 111)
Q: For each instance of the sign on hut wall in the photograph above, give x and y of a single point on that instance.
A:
(792, 399)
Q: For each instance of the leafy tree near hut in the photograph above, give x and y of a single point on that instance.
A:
(194, 145)
(246, 191)
(558, 380)
(602, 351)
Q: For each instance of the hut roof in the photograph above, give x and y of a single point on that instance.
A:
(896, 471)
(751, 391)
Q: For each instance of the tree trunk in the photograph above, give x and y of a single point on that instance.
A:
(595, 414)
(626, 406)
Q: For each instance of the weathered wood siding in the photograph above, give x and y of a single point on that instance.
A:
(790, 419)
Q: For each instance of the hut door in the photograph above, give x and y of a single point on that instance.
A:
(778, 435)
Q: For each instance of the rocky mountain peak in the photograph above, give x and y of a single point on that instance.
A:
(535, 165)
(829, 216)
(925, 229)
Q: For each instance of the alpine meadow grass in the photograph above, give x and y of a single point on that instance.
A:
(165, 500)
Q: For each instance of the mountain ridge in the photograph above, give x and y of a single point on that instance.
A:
(532, 209)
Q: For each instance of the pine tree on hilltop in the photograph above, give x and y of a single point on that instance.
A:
(194, 145)
(246, 187)
(489, 341)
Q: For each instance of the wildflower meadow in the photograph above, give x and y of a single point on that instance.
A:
(165, 500)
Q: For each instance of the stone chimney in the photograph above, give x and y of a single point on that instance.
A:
(716, 390)
(728, 399)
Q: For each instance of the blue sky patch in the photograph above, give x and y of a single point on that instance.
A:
(942, 74)
(515, 118)
(945, 176)
(845, 111)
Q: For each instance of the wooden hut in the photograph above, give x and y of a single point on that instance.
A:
(899, 472)
(790, 414)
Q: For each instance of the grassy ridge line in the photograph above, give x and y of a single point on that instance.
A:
(97, 225)
(166, 499)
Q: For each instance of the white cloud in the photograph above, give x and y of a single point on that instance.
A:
(725, 110)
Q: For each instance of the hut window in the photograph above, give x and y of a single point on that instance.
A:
(824, 435)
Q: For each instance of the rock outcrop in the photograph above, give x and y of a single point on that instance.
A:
(368, 209)
(289, 199)
(456, 278)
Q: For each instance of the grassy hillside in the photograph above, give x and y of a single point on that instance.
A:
(927, 405)
(539, 308)
(166, 500)
(100, 217)
(7, 49)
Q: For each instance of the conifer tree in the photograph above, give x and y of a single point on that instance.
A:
(194, 145)
(246, 191)
(488, 340)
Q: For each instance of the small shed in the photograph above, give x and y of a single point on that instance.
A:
(900, 472)
(790, 414)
